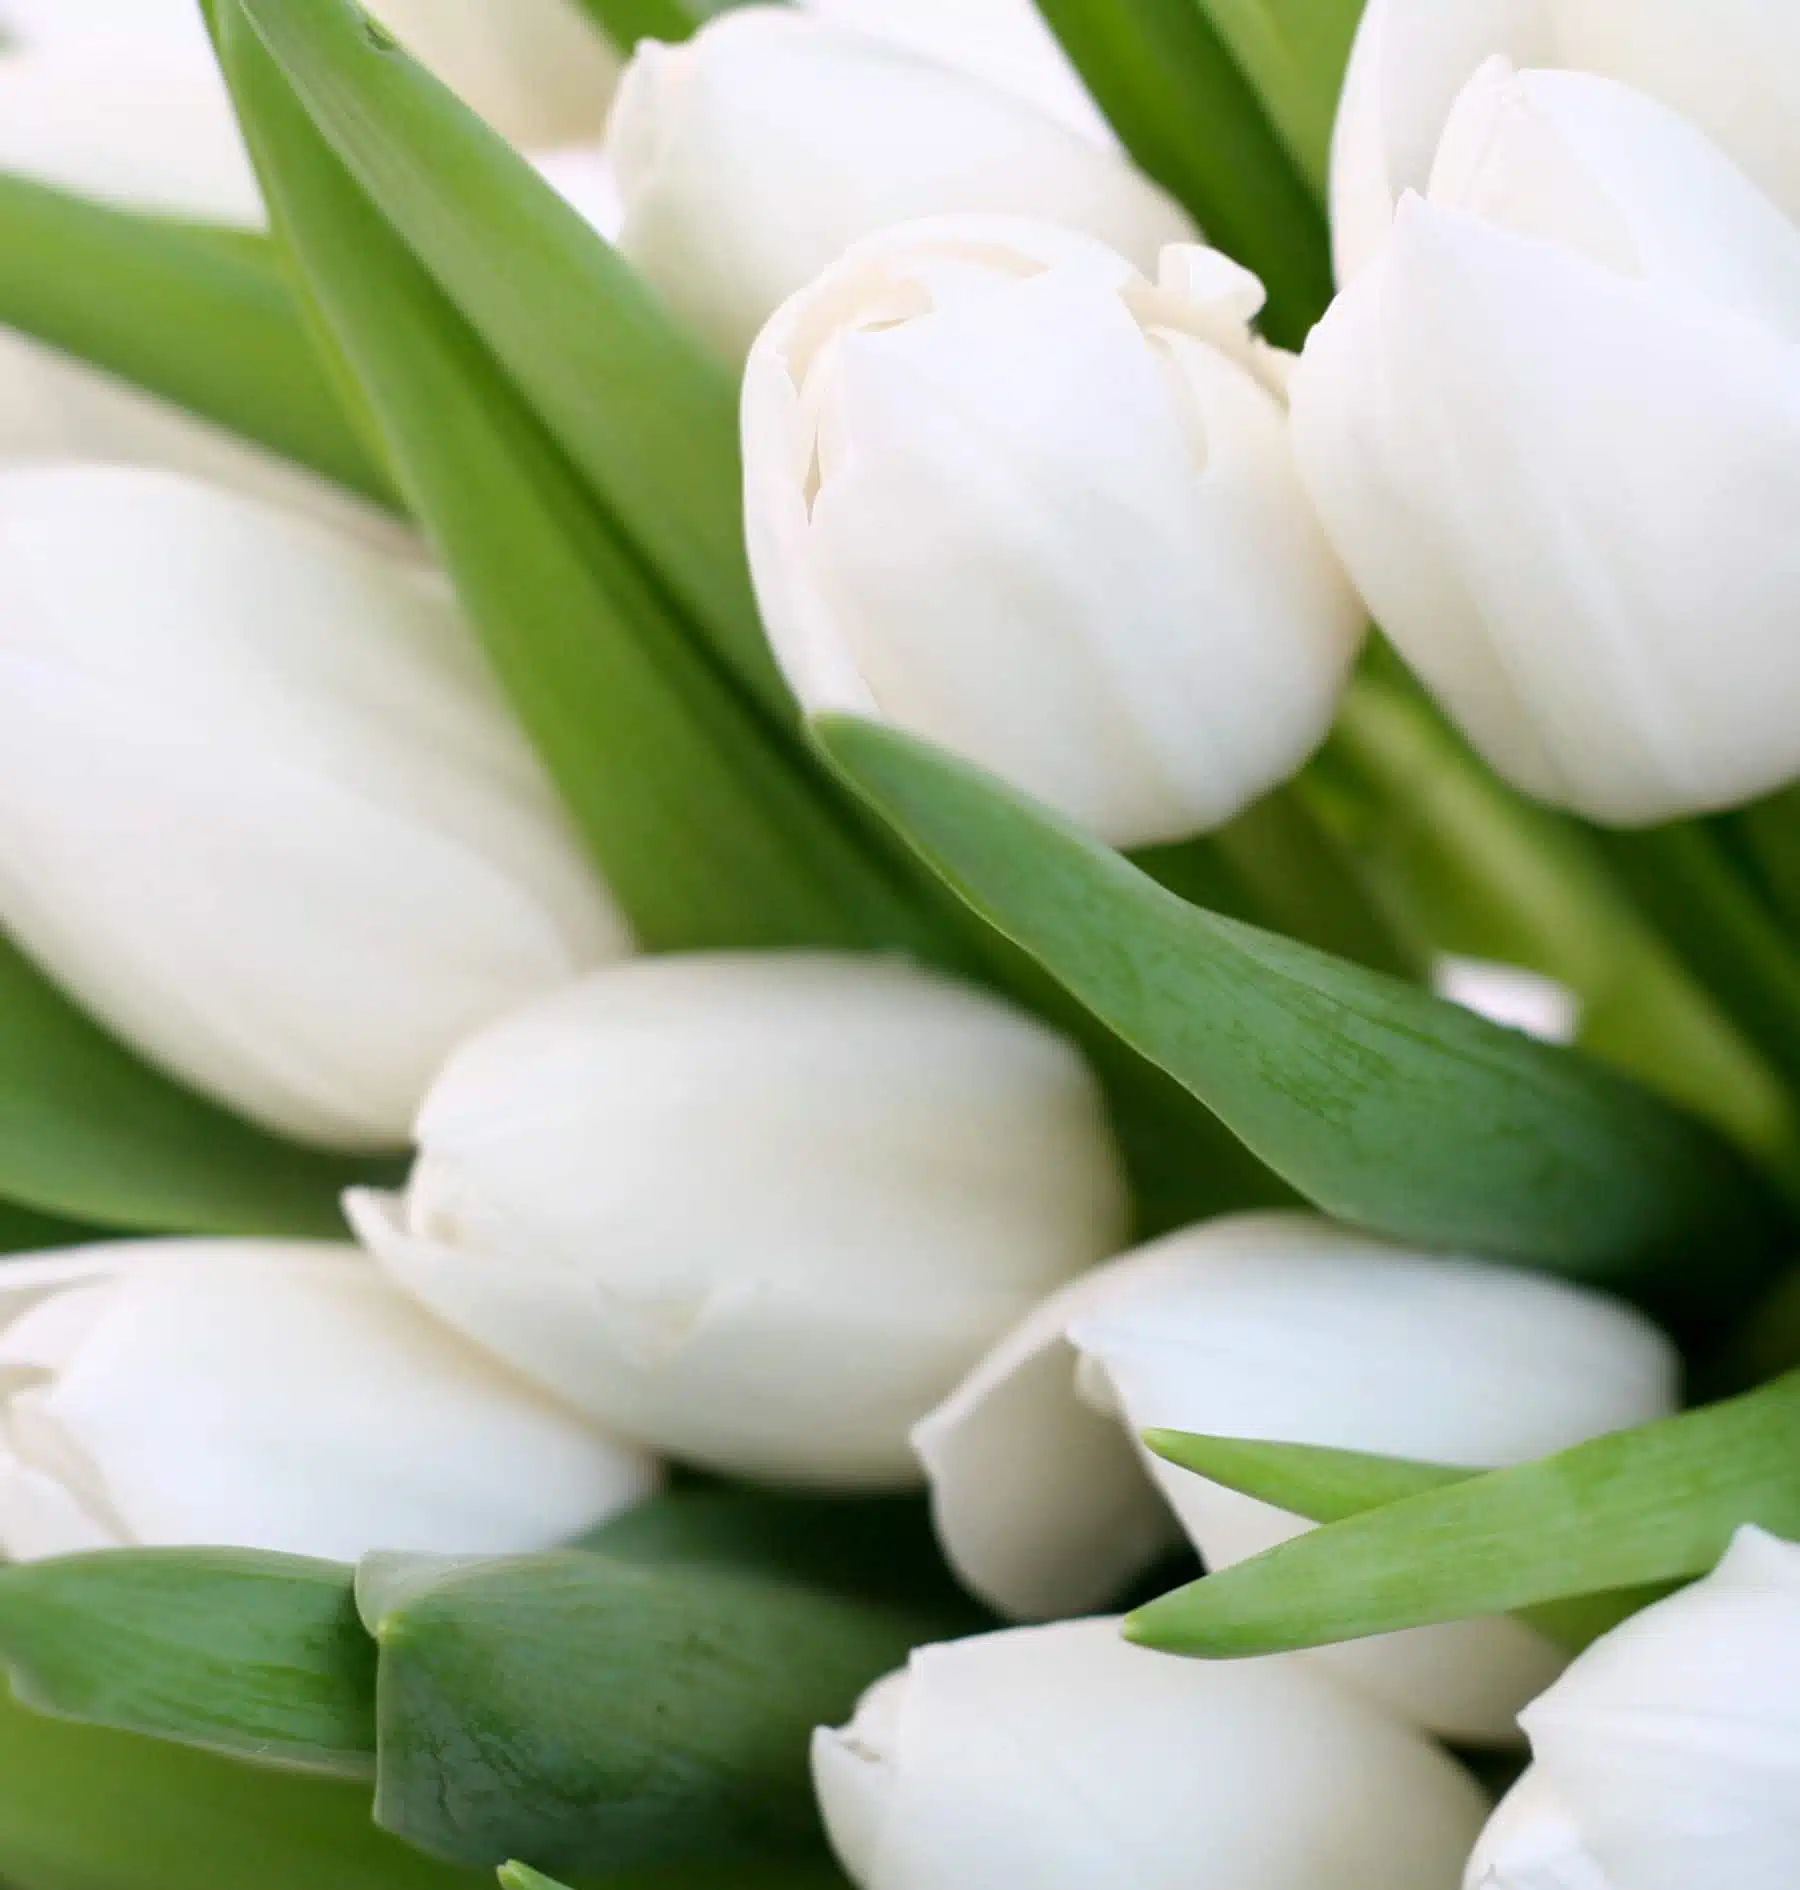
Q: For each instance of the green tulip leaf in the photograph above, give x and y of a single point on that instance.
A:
(602, 1714)
(261, 1657)
(89, 1132)
(1294, 54)
(83, 1808)
(711, 827)
(644, 1699)
(1327, 1486)
(197, 315)
(1385, 1107)
(646, 415)
(1165, 76)
(1483, 872)
(1655, 1505)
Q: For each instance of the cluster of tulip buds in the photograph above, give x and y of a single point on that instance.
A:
(1024, 481)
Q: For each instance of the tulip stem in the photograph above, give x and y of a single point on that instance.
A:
(1683, 877)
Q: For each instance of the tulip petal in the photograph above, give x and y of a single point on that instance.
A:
(1480, 393)
(1040, 1501)
(1532, 1843)
(1063, 1758)
(192, 1409)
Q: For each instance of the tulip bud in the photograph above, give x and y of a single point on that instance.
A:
(1668, 1756)
(1005, 42)
(262, 1395)
(262, 809)
(1006, 493)
(1065, 1759)
(1730, 66)
(1287, 1329)
(752, 156)
(759, 1212)
(1553, 432)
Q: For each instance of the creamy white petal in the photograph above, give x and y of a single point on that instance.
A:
(989, 466)
(1005, 42)
(1510, 995)
(1553, 483)
(752, 156)
(1037, 1497)
(281, 1397)
(264, 811)
(761, 1211)
(1731, 67)
(1675, 1742)
(1063, 1758)
(1532, 1843)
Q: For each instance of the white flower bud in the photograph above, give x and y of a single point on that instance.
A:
(1668, 1756)
(760, 1212)
(1005, 42)
(1280, 1328)
(1065, 1759)
(1554, 432)
(262, 809)
(262, 1395)
(752, 156)
(1005, 492)
(1730, 66)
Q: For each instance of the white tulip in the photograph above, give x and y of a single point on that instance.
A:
(1283, 1328)
(1005, 492)
(264, 1395)
(752, 156)
(1668, 1756)
(1064, 1759)
(760, 1212)
(1554, 432)
(1005, 42)
(1731, 66)
(262, 809)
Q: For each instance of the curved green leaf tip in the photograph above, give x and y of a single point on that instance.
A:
(523, 1877)
(1636, 1510)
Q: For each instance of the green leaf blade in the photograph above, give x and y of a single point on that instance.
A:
(200, 317)
(1382, 1105)
(1628, 1511)
(1177, 98)
(708, 827)
(1328, 1486)
(90, 1133)
(604, 1715)
(257, 1657)
(646, 415)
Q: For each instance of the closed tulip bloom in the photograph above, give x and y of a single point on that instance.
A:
(1005, 42)
(262, 809)
(1282, 1328)
(760, 1212)
(1668, 1756)
(1554, 432)
(1007, 493)
(262, 1395)
(1064, 1759)
(1730, 66)
(752, 156)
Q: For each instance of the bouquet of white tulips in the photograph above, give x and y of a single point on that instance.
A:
(900, 944)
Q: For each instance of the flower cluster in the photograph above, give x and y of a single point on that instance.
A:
(733, 988)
